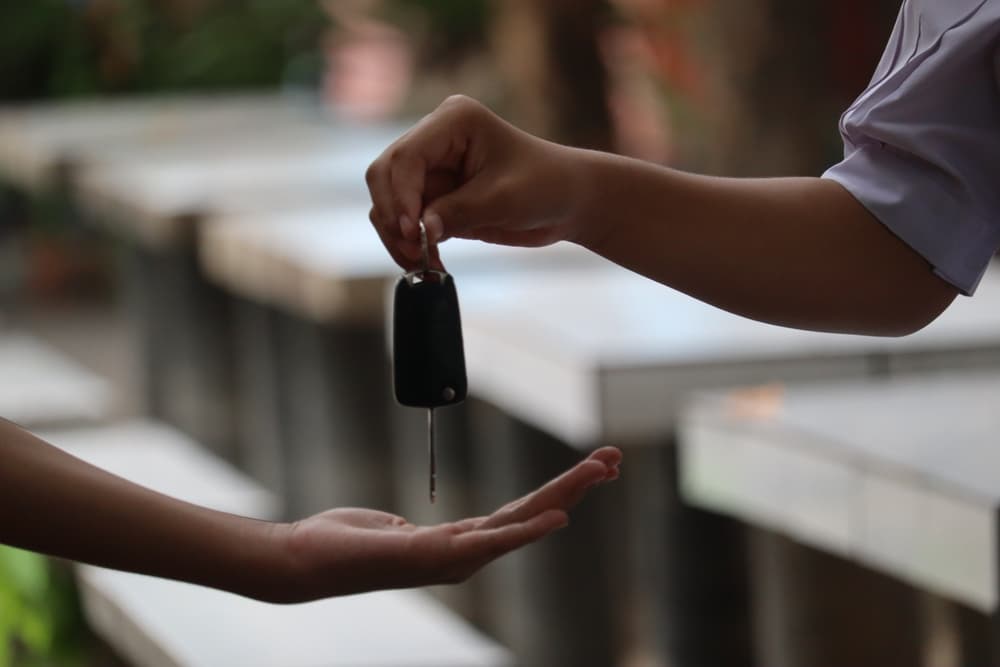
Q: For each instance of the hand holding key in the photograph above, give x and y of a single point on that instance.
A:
(467, 173)
(346, 551)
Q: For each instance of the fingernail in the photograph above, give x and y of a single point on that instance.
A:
(406, 226)
(434, 226)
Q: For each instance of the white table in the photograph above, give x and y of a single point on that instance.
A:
(901, 476)
(43, 143)
(42, 387)
(327, 264)
(159, 195)
(156, 177)
(606, 356)
(49, 147)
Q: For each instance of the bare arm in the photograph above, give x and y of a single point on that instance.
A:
(56, 504)
(799, 252)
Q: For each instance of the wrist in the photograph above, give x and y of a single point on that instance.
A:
(588, 217)
(261, 564)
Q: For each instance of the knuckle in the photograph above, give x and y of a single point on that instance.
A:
(372, 172)
(462, 106)
(458, 100)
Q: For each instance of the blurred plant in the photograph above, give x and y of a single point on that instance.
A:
(454, 26)
(52, 48)
(388, 58)
(751, 88)
(40, 622)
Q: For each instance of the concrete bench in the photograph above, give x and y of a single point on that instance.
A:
(42, 387)
(327, 264)
(150, 168)
(160, 623)
(158, 195)
(43, 146)
(599, 357)
(901, 476)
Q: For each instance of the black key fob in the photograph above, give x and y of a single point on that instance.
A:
(428, 356)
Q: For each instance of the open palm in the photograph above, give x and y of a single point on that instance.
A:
(352, 550)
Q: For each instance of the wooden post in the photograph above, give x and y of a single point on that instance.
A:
(551, 602)
(548, 55)
(185, 339)
(812, 608)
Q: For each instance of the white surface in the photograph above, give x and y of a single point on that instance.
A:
(749, 475)
(605, 354)
(41, 386)
(918, 461)
(37, 139)
(152, 192)
(328, 263)
(159, 457)
(160, 623)
(199, 627)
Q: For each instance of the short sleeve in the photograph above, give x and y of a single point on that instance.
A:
(922, 143)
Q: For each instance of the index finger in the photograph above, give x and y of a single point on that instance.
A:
(561, 493)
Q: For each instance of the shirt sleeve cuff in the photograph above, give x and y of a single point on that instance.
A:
(923, 207)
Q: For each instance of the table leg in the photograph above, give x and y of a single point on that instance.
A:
(813, 608)
(690, 568)
(978, 636)
(260, 450)
(551, 602)
(332, 389)
(184, 333)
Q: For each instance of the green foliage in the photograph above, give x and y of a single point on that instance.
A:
(25, 621)
(56, 48)
(454, 25)
(40, 623)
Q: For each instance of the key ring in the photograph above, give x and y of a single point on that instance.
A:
(425, 272)
(425, 252)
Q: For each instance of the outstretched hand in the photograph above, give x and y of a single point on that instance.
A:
(345, 551)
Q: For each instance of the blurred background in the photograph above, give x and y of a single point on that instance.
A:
(185, 258)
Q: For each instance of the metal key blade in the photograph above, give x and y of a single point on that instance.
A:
(430, 452)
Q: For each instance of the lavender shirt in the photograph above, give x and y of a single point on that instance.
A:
(922, 143)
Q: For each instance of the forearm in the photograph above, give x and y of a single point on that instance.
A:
(798, 252)
(54, 503)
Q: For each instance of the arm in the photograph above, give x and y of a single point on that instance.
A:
(56, 504)
(799, 252)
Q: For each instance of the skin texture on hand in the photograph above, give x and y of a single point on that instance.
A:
(56, 504)
(469, 174)
(380, 550)
(798, 252)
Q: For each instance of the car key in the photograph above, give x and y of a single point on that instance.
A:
(428, 356)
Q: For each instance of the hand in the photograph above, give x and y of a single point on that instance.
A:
(469, 174)
(345, 551)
